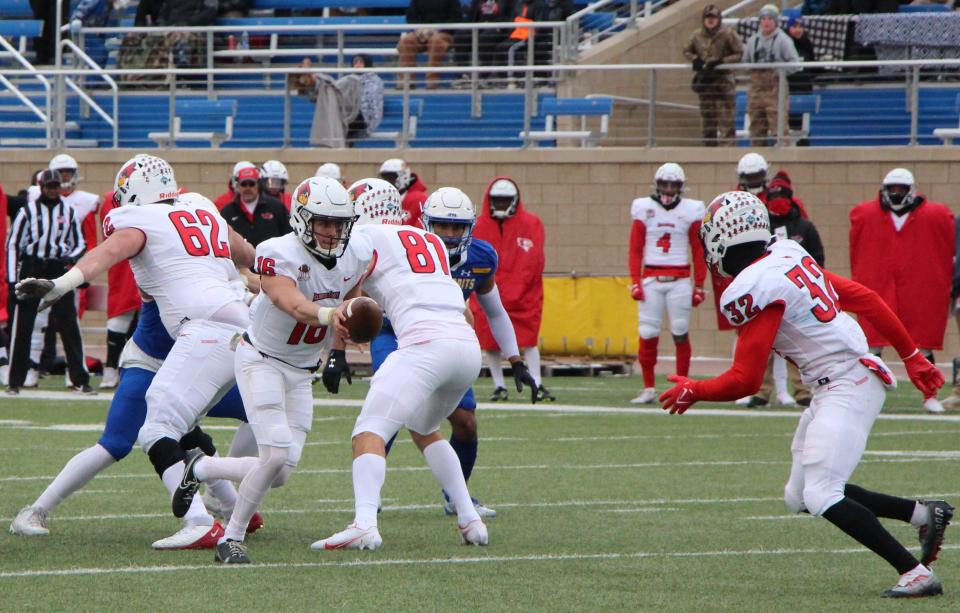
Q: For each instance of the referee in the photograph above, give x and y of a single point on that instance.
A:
(44, 241)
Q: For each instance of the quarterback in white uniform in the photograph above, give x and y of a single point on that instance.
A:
(305, 278)
(419, 384)
(780, 299)
(182, 254)
(663, 243)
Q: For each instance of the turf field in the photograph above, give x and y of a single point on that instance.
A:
(602, 506)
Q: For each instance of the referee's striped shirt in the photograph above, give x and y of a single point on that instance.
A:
(45, 232)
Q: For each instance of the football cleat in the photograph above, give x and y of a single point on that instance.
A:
(231, 552)
(85, 389)
(30, 521)
(110, 378)
(13, 391)
(784, 399)
(351, 538)
(4, 375)
(451, 509)
(932, 405)
(916, 583)
(474, 533)
(183, 495)
(544, 394)
(32, 379)
(256, 522)
(757, 401)
(192, 537)
(647, 396)
(931, 533)
(499, 394)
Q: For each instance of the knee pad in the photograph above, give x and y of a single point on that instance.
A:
(165, 453)
(817, 499)
(648, 329)
(273, 435)
(199, 439)
(680, 326)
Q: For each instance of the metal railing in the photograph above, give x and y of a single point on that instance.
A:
(112, 120)
(45, 117)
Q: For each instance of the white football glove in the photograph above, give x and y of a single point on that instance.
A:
(44, 290)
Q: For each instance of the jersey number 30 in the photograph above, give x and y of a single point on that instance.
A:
(418, 253)
(194, 240)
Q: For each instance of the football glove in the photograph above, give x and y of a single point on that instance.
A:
(522, 376)
(925, 376)
(698, 296)
(678, 398)
(636, 291)
(335, 368)
(38, 289)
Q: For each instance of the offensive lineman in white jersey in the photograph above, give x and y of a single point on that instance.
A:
(320, 263)
(182, 254)
(781, 299)
(419, 384)
(663, 243)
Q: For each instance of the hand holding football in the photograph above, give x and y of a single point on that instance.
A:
(364, 319)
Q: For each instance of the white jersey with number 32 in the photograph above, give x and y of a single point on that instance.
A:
(667, 242)
(185, 263)
(277, 334)
(411, 280)
(815, 334)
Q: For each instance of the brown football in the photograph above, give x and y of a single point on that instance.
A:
(364, 319)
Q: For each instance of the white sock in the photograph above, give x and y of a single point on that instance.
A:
(443, 462)
(921, 515)
(75, 474)
(197, 513)
(234, 469)
(224, 491)
(254, 488)
(531, 355)
(244, 443)
(171, 477)
(369, 473)
(496, 368)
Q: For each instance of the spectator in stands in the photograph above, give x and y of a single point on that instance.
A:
(255, 216)
(801, 82)
(483, 11)
(347, 109)
(396, 172)
(273, 181)
(227, 197)
(514, 49)
(902, 246)
(331, 171)
(233, 9)
(709, 47)
(769, 45)
(45, 45)
(434, 42)
(95, 13)
(154, 50)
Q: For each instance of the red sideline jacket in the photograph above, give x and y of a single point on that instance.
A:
(122, 293)
(413, 200)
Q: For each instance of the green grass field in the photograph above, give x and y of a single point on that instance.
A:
(601, 507)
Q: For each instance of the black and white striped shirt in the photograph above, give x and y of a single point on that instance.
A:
(43, 231)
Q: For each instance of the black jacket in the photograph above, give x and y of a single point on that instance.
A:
(801, 82)
(489, 10)
(270, 219)
(434, 11)
(801, 230)
(176, 12)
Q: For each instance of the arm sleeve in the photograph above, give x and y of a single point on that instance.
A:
(754, 344)
(735, 53)
(690, 51)
(696, 254)
(500, 324)
(638, 236)
(868, 304)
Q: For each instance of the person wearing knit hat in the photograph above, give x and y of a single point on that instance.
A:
(708, 48)
(769, 45)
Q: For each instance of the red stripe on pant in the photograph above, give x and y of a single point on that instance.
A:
(647, 355)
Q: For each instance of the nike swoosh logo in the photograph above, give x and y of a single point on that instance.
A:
(684, 394)
(347, 278)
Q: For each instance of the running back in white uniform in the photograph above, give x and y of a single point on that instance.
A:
(667, 240)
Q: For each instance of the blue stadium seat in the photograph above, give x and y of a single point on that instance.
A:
(200, 121)
(578, 107)
(15, 9)
(21, 27)
(393, 109)
(924, 8)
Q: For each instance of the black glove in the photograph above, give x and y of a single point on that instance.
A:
(521, 376)
(698, 64)
(335, 368)
(712, 64)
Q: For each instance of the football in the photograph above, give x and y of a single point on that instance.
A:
(364, 319)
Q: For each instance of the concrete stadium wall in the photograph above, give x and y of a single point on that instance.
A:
(582, 195)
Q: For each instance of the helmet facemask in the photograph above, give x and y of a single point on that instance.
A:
(898, 197)
(733, 218)
(326, 236)
(274, 186)
(755, 182)
(456, 235)
(322, 215)
(669, 193)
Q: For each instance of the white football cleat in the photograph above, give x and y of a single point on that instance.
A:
(30, 521)
(647, 396)
(192, 537)
(351, 538)
(784, 399)
(932, 405)
(32, 379)
(5, 375)
(450, 508)
(744, 401)
(916, 583)
(474, 533)
(110, 378)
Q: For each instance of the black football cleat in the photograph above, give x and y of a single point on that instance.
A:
(544, 394)
(758, 401)
(189, 484)
(499, 394)
(231, 552)
(931, 534)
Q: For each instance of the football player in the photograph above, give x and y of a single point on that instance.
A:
(273, 180)
(413, 192)
(419, 384)
(663, 243)
(305, 278)
(780, 299)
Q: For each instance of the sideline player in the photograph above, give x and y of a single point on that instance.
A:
(781, 299)
(437, 359)
(664, 225)
(305, 278)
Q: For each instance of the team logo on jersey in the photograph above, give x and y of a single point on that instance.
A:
(650, 213)
(325, 295)
(304, 271)
(266, 215)
(303, 194)
(524, 243)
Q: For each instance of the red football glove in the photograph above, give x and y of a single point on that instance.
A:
(698, 296)
(636, 291)
(678, 398)
(925, 376)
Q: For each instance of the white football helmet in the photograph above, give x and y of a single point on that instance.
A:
(752, 173)
(450, 205)
(236, 170)
(320, 198)
(331, 171)
(900, 198)
(396, 172)
(733, 218)
(68, 168)
(507, 197)
(274, 176)
(665, 175)
(144, 179)
(377, 202)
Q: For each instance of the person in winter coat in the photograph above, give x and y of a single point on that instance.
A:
(483, 11)
(434, 42)
(518, 237)
(901, 246)
(396, 172)
(769, 45)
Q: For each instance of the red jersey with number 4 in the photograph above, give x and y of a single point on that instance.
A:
(662, 247)
(815, 334)
(410, 278)
(276, 333)
(185, 263)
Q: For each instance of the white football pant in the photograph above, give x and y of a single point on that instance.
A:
(675, 296)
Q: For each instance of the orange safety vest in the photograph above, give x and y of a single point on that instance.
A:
(521, 33)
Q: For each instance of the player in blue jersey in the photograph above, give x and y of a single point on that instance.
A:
(141, 358)
(450, 214)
